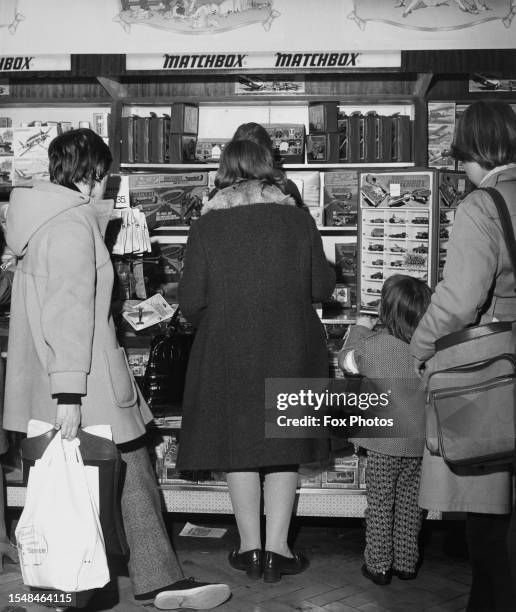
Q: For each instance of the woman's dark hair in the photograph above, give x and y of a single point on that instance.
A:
(404, 301)
(256, 133)
(486, 134)
(78, 156)
(243, 160)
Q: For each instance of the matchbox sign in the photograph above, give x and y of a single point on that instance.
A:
(259, 61)
(34, 63)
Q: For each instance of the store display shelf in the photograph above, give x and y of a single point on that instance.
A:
(328, 229)
(214, 166)
(181, 229)
(309, 502)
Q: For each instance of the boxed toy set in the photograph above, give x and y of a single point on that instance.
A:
(340, 197)
(453, 188)
(169, 200)
(288, 140)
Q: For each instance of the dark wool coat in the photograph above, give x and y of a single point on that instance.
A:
(253, 266)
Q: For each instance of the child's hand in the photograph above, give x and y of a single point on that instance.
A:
(366, 321)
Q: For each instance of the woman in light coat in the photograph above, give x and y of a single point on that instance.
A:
(478, 286)
(64, 363)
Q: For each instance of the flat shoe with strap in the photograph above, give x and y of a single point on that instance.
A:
(275, 565)
(250, 561)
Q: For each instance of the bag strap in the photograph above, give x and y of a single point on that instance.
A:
(505, 219)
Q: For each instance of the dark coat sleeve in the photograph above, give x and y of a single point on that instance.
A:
(192, 289)
(323, 275)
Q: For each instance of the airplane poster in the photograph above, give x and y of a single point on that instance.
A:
(32, 142)
(433, 15)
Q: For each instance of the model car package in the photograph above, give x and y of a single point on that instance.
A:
(441, 127)
(308, 183)
(159, 129)
(322, 117)
(453, 188)
(322, 148)
(356, 138)
(169, 200)
(344, 149)
(372, 151)
(184, 118)
(386, 139)
(402, 137)
(209, 149)
(397, 230)
(182, 148)
(127, 140)
(342, 473)
(340, 197)
(141, 140)
(288, 140)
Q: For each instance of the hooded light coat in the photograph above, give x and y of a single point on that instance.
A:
(478, 286)
(61, 334)
(253, 266)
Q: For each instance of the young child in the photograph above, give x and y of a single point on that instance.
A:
(393, 518)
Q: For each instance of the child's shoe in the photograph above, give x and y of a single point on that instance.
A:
(381, 578)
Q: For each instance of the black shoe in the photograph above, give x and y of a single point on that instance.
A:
(404, 575)
(251, 562)
(275, 565)
(188, 593)
(381, 578)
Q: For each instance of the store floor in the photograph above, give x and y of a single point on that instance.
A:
(333, 583)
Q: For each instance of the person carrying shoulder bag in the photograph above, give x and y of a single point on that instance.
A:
(478, 287)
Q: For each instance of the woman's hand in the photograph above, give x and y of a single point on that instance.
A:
(419, 367)
(68, 419)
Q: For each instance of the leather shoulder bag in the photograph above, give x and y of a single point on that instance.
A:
(471, 388)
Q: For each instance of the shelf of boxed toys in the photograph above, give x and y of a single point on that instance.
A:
(214, 166)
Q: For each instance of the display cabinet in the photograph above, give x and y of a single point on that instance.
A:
(101, 85)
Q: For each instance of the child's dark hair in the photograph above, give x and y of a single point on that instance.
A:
(78, 156)
(403, 302)
(486, 134)
(243, 160)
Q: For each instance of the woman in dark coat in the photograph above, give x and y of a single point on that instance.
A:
(254, 264)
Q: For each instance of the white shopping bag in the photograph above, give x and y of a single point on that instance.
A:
(59, 537)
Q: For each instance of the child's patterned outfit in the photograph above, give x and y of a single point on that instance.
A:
(393, 518)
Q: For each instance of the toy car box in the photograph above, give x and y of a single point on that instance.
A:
(169, 200)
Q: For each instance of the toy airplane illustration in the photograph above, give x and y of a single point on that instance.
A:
(36, 140)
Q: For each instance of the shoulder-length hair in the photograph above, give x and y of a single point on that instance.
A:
(486, 134)
(255, 132)
(245, 160)
(404, 301)
(78, 156)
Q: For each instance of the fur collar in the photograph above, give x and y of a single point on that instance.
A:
(244, 193)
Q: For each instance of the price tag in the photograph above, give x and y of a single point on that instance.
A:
(395, 190)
